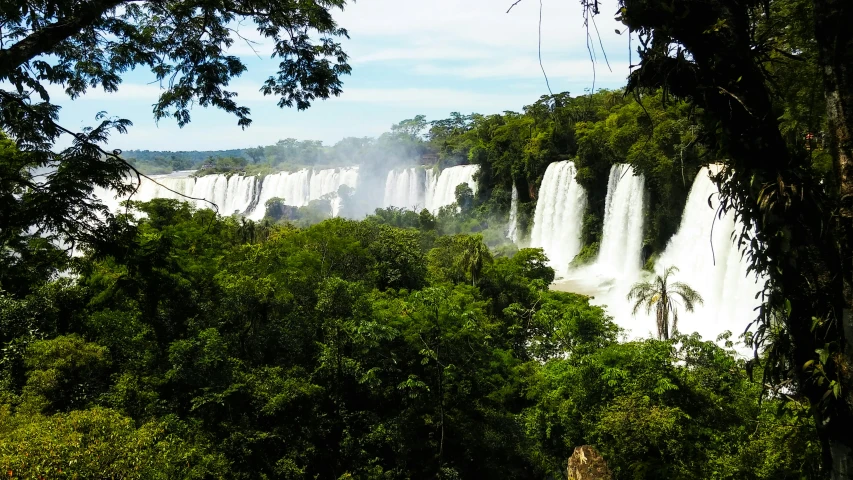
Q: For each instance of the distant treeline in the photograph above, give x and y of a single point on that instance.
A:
(402, 145)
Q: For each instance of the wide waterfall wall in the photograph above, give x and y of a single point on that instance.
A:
(234, 194)
(231, 194)
(512, 228)
(292, 187)
(245, 195)
(711, 263)
(559, 215)
(444, 192)
(328, 181)
(300, 187)
(405, 188)
(620, 252)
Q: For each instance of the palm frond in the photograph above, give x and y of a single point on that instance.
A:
(669, 271)
(688, 295)
(664, 296)
(642, 292)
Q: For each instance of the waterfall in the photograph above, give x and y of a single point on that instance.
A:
(293, 187)
(444, 192)
(559, 215)
(233, 194)
(245, 195)
(710, 261)
(620, 252)
(405, 188)
(429, 190)
(512, 229)
(702, 249)
(328, 181)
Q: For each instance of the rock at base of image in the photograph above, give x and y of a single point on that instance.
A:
(587, 464)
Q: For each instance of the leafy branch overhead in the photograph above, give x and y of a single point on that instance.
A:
(82, 45)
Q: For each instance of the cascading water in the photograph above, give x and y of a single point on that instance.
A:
(703, 251)
(559, 215)
(232, 194)
(619, 255)
(328, 181)
(512, 229)
(444, 192)
(712, 264)
(324, 182)
(246, 195)
(405, 188)
(293, 187)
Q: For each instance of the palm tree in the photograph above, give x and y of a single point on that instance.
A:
(663, 297)
(475, 254)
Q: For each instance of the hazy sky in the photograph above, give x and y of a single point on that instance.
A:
(408, 57)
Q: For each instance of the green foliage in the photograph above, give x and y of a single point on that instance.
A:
(464, 197)
(83, 45)
(63, 373)
(588, 254)
(193, 345)
(682, 408)
(99, 443)
(222, 165)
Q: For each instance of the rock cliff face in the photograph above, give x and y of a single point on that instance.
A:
(587, 464)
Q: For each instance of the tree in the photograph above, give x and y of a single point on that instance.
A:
(464, 197)
(81, 45)
(725, 56)
(474, 255)
(663, 296)
(256, 154)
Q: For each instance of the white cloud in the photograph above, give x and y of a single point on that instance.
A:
(436, 98)
(416, 97)
(479, 33)
(567, 70)
(467, 24)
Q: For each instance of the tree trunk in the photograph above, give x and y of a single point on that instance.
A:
(834, 35)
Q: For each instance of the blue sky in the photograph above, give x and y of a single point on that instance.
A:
(408, 57)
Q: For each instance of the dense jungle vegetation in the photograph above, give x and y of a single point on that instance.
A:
(194, 346)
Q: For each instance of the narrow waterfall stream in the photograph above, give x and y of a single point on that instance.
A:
(620, 252)
(559, 215)
(512, 232)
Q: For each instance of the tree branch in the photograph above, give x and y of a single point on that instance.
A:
(514, 4)
(45, 39)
